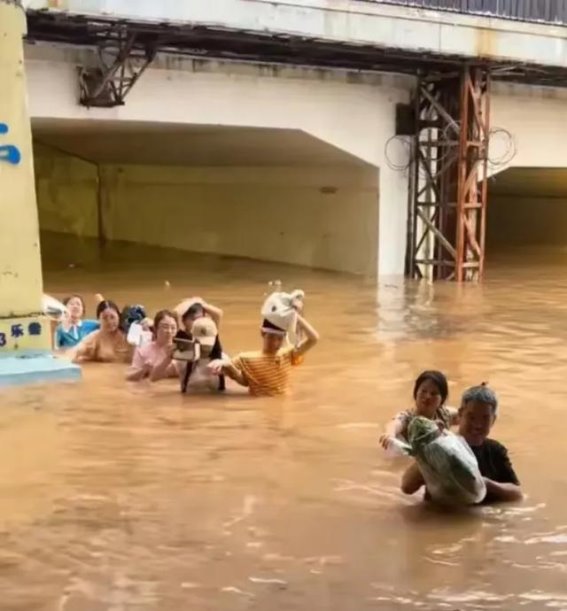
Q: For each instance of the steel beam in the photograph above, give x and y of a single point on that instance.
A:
(448, 178)
(121, 61)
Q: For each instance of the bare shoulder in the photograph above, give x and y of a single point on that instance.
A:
(91, 339)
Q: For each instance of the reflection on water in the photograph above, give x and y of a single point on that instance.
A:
(117, 497)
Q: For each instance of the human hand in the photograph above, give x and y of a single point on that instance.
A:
(441, 426)
(385, 441)
(216, 367)
(298, 305)
(98, 298)
(147, 369)
(65, 317)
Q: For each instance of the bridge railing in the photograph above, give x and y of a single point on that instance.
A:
(536, 11)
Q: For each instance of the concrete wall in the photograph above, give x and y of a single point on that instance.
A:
(514, 220)
(323, 218)
(66, 193)
(536, 118)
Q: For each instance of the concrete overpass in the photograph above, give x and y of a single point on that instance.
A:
(334, 71)
(299, 30)
(301, 123)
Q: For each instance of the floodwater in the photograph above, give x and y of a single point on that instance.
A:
(130, 498)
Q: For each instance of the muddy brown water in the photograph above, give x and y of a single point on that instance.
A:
(130, 498)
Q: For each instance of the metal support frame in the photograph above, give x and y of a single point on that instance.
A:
(121, 62)
(448, 178)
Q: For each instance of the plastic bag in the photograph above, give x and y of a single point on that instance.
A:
(278, 309)
(53, 307)
(138, 336)
(447, 463)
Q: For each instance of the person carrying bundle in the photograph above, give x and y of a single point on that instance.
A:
(266, 372)
(477, 415)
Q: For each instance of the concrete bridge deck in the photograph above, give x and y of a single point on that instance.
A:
(344, 33)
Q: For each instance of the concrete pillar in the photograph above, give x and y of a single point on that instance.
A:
(20, 261)
(392, 224)
(23, 330)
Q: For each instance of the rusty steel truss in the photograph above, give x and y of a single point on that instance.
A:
(448, 178)
(121, 61)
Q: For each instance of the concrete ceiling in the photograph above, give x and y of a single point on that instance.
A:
(530, 182)
(122, 142)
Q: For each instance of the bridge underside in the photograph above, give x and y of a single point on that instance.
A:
(527, 212)
(272, 195)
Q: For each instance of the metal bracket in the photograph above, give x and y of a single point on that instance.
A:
(448, 181)
(121, 62)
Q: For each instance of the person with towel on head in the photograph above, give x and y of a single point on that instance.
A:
(266, 372)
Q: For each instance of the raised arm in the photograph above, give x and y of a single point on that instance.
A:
(215, 313)
(310, 337)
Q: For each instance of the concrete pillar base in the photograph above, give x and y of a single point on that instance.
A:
(25, 357)
(25, 336)
(19, 370)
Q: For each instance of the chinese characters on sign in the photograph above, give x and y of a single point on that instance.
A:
(17, 330)
(18, 334)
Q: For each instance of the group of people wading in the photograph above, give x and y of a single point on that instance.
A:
(184, 343)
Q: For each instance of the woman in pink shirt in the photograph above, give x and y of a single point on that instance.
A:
(147, 358)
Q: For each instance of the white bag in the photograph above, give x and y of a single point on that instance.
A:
(137, 336)
(447, 463)
(278, 310)
(451, 472)
(52, 307)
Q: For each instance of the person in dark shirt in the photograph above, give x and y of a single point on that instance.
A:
(477, 414)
